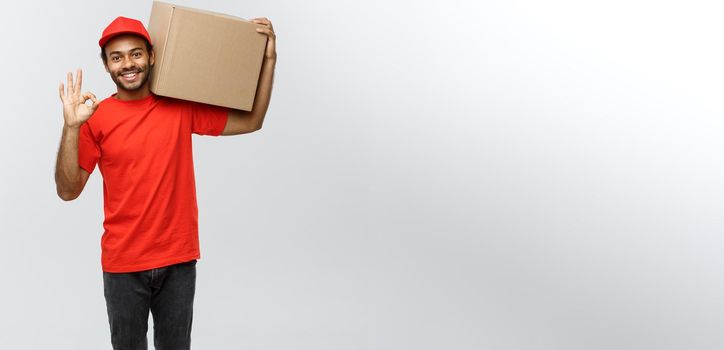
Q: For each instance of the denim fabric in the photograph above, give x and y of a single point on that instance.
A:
(167, 292)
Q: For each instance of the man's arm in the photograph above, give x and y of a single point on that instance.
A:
(242, 122)
(70, 178)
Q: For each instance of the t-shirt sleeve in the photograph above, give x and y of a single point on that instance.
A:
(88, 150)
(208, 119)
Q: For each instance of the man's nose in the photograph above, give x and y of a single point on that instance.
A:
(127, 63)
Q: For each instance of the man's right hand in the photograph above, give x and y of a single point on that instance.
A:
(75, 110)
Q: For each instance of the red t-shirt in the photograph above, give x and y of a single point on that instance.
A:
(143, 150)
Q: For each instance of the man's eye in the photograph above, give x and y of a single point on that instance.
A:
(116, 58)
(137, 54)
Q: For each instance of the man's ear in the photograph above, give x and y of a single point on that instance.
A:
(152, 58)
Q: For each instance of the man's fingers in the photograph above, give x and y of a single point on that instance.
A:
(70, 82)
(95, 100)
(85, 97)
(78, 81)
(92, 97)
(266, 31)
(61, 92)
(88, 96)
(263, 21)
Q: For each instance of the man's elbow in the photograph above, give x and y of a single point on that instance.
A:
(68, 196)
(249, 129)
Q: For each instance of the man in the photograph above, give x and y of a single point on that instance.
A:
(142, 145)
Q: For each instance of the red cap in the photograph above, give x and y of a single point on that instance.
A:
(123, 25)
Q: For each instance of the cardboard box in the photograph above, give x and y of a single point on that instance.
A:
(204, 56)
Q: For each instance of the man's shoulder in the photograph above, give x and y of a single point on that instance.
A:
(176, 102)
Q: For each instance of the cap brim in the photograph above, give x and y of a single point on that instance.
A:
(105, 39)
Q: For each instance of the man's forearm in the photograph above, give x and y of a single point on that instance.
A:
(67, 171)
(241, 122)
(263, 92)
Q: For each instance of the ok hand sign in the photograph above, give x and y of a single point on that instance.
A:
(75, 109)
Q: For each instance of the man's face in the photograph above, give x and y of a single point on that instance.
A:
(128, 62)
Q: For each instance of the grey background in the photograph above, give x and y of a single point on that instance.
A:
(431, 175)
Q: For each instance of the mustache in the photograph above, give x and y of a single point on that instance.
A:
(131, 70)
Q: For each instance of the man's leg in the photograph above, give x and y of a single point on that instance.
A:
(128, 299)
(172, 305)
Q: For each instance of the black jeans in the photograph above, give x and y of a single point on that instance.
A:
(168, 292)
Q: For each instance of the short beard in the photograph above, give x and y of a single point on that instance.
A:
(146, 75)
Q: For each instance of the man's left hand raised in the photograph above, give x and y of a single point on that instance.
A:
(268, 29)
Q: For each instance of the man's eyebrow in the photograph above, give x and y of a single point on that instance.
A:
(119, 52)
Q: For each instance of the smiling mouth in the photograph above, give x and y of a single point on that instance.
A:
(130, 76)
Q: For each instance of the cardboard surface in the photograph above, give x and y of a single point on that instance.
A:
(204, 56)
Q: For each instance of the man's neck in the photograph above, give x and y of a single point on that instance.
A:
(125, 95)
